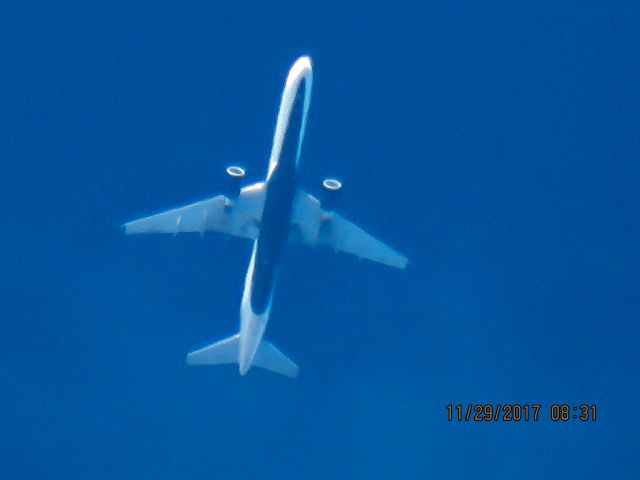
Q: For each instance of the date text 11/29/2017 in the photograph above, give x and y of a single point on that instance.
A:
(514, 412)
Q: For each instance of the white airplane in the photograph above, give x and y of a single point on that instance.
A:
(271, 213)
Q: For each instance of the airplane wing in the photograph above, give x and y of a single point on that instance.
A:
(312, 225)
(239, 216)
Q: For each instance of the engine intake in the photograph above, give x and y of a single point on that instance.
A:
(332, 184)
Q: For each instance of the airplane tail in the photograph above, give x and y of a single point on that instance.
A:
(228, 351)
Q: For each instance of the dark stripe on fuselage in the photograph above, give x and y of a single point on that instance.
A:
(276, 216)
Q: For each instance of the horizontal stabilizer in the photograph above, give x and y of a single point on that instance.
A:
(272, 359)
(224, 351)
(227, 351)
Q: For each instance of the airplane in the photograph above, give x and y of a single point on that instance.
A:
(272, 213)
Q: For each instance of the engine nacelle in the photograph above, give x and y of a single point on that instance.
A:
(331, 192)
(235, 175)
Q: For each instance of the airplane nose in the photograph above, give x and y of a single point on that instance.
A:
(301, 68)
(305, 62)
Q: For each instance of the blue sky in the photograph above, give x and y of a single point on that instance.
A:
(494, 143)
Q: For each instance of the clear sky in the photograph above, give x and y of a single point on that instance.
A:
(494, 143)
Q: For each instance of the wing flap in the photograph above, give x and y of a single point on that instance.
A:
(239, 217)
(315, 226)
(339, 233)
(192, 218)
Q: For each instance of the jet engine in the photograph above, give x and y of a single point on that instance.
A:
(332, 188)
(235, 175)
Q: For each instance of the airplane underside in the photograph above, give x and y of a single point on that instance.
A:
(272, 213)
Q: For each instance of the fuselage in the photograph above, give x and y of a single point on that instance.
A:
(281, 186)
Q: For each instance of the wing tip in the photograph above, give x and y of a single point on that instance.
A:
(128, 228)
